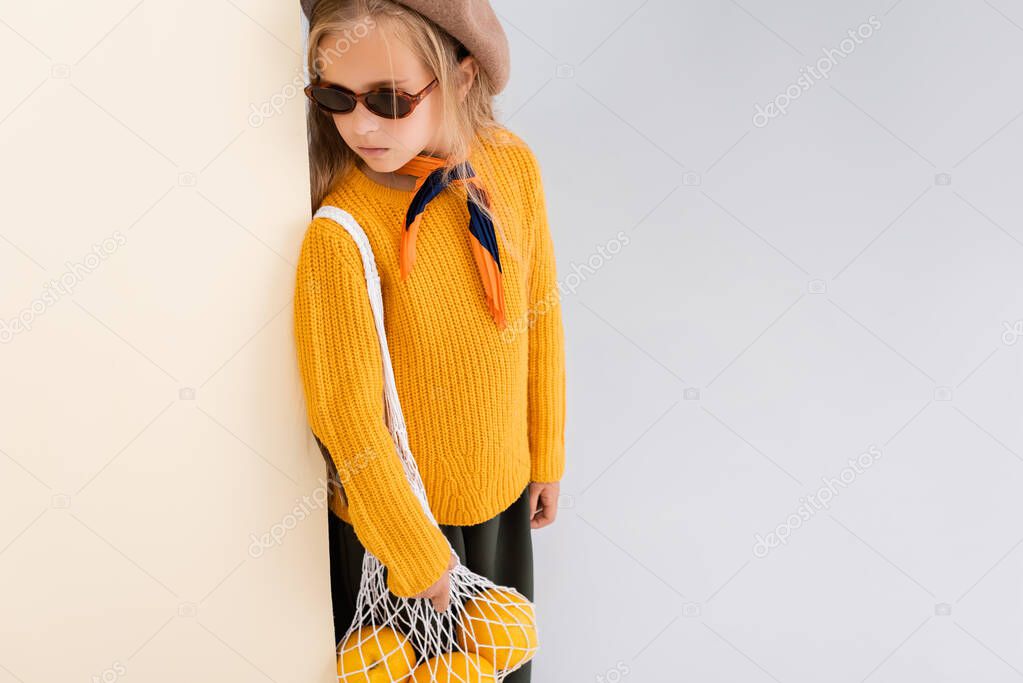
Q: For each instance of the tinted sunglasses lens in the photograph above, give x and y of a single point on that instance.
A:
(333, 100)
(389, 105)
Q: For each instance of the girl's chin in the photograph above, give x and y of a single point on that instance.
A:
(378, 162)
(383, 165)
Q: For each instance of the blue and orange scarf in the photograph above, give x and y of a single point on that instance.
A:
(428, 171)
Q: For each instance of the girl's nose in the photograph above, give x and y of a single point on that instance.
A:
(363, 120)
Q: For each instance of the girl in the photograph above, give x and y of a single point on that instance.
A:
(403, 138)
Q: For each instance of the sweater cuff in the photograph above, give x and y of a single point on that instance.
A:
(420, 571)
(549, 464)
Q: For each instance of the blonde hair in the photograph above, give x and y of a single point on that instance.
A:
(465, 121)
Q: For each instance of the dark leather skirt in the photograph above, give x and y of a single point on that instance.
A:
(501, 549)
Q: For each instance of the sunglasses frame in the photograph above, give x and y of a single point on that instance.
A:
(413, 99)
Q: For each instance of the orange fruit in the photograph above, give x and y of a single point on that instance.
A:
(454, 667)
(375, 654)
(499, 625)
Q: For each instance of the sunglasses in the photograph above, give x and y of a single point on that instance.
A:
(385, 102)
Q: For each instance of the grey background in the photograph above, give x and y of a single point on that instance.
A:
(791, 295)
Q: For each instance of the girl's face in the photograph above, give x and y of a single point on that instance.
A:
(379, 60)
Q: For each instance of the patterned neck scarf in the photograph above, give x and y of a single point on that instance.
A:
(427, 171)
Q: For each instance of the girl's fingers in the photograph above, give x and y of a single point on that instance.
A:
(534, 498)
(542, 518)
(443, 598)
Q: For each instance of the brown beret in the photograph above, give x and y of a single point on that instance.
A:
(473, 23)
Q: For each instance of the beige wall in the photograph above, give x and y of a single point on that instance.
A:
(151, 416)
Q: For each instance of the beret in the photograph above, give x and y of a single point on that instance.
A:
(473, 23)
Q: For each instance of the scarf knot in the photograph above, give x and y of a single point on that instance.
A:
(429, 174)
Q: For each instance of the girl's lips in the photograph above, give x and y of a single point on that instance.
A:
(373, 151)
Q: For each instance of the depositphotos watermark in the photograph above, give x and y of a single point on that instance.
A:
(63, 286)
(308, 503)
(303, 508)
(1012, 332)
(819, 499)
(605, 252)
(110, 674)
(614, 674)
(810, 75)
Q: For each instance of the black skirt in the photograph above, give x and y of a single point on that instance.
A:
(500, 549)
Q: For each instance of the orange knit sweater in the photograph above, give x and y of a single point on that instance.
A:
(485, 407)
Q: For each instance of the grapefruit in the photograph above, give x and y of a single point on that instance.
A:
(454, 667)
(500, 625)
(375, 654)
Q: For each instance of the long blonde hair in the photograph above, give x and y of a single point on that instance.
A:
(330, 159)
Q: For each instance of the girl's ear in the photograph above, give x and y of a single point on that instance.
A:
(468, 68)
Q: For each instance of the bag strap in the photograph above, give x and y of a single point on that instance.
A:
(395, 418)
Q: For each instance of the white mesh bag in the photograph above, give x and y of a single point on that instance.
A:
(488, 630)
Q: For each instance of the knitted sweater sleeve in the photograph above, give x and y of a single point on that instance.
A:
(342, 375)
(546, 345)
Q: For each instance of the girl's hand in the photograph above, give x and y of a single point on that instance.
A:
(440, 592)
(546, 495)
